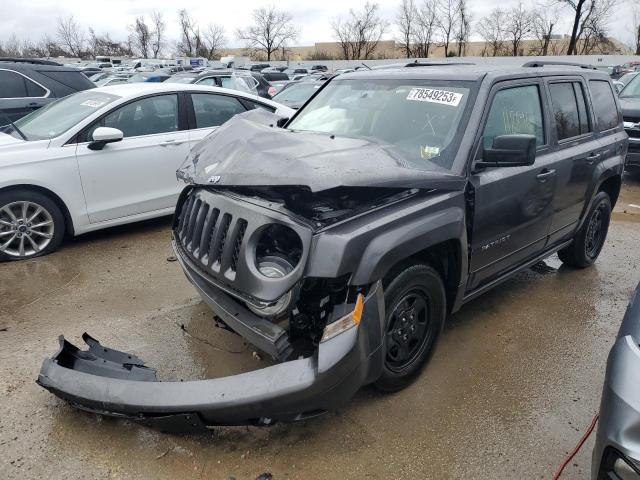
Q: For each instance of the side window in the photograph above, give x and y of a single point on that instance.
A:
(585, 121)
(12, 85)
(250, 104)
(565, 110)
(148, 116)
(213, 110)
(228, 82)
(33, 89)
(211, 82)
(515, 110)
(604, 104)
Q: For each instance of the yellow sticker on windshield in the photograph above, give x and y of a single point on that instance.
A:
(434, 95)
(428, 152)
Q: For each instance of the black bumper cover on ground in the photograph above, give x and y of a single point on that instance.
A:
(114, 383)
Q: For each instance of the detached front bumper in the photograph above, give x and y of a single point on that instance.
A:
(117, 384)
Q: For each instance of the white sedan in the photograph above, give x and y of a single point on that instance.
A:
(103, 157)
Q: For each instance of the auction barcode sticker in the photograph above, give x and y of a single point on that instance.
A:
(434, 95)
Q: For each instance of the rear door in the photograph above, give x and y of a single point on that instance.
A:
(578, 153)
(207, 111)
(512, 205)
(19, 95)
(138, 174)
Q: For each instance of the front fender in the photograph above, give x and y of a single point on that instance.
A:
(369, 246)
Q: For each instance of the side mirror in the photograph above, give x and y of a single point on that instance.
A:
(103, 135)
(516, 150)
(619, 86)
(282, 122)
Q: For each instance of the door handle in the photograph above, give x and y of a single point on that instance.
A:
(171, 141)
(545, 175)
(593, 158)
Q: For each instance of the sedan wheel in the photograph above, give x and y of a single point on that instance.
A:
(31, 224)
(26, 229)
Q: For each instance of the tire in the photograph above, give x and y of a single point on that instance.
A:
(27, 234)
(588, 242)
(408, 345)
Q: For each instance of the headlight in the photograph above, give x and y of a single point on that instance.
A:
(273, 267)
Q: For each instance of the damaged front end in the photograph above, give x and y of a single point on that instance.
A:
(288, 247)
(246, 258)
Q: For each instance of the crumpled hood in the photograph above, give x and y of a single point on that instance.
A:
(250, 150)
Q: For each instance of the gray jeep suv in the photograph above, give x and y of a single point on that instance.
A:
(338, 241)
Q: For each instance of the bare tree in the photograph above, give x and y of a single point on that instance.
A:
(189, 42)
(447, 21)
(463, 28)
(271, 30)
(213, 39)
(543, 21)
(426, 26)
(492, 30)
(141, 37)
(583, 10)
(592, 34)
(71, 36)
(12, 46)
(406, 20)
(518, 26)
(158, 33)
(359, 32)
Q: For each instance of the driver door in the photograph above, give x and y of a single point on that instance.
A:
(138, 174)
(513, 205)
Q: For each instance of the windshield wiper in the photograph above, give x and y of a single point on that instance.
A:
(15, 128)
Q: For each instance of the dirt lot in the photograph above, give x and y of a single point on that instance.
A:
(514, 382)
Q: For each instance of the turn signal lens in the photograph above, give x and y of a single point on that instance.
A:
(345, 323)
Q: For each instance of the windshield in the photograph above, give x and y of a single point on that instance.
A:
(59, 116)
(632, 89)
(421, 119)
(298, 93)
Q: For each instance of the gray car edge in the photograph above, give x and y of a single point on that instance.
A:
(616, 453)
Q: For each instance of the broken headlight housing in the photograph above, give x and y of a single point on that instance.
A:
(273, 267)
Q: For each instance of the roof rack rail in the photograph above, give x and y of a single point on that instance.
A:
(418, 63)
(33, 61)
(542, 63)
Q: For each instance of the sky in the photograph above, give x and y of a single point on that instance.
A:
(33, 18)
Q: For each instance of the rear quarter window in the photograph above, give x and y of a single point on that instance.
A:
(67, 82)
(604, 105)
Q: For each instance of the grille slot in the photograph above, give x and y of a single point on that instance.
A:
(207, 234)
(218, 241)
(241, 228)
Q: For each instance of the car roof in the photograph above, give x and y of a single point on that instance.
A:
(472, 72)
(132, 90)
(37, 67)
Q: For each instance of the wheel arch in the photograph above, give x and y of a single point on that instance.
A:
(69, 228)
(611, 186)
(445, 257)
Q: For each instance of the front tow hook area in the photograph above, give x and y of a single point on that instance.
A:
(118, 384)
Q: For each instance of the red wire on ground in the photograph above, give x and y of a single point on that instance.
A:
(575, 450)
